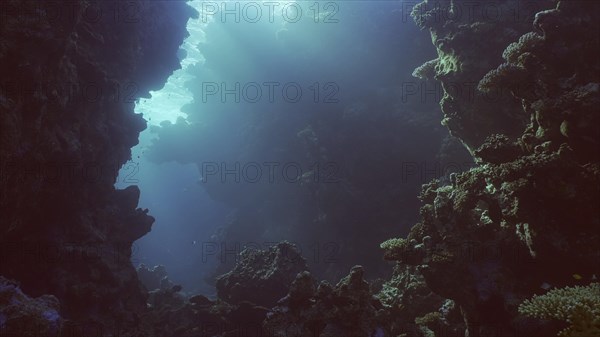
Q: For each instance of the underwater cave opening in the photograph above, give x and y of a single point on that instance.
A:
(183, 212)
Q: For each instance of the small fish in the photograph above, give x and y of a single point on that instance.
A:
(546, 286)
(577, 276)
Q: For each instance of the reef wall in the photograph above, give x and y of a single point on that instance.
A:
(526, 218)
(71, 73)
(469, 38)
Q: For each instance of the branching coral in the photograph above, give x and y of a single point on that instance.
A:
(579, 306)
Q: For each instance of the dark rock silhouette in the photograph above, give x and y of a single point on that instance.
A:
(69, 83)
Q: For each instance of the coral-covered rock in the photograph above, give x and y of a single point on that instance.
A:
(557, 82)
(498, 149)
(261, 276)
(527, 216)
(348, 309)
(185, 320)
(408, 301)
(500, 232)
(469, 44)
(21, 315)
(163, 297)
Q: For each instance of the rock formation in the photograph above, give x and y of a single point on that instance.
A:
(71, 73)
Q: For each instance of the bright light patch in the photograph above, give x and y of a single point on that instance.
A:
(165, 104)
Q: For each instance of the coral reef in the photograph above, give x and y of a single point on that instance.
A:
(527, 215)
(270, 293)
(524, 103)
(403, 306)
